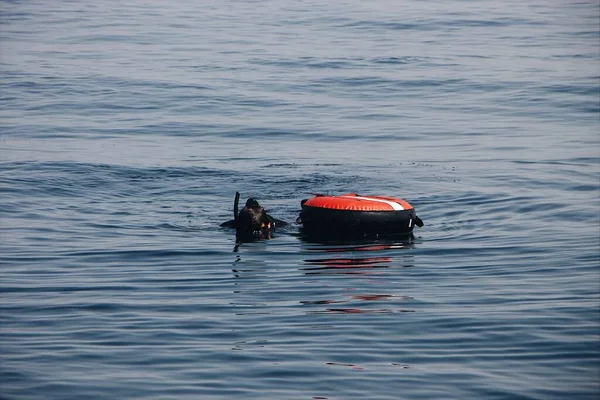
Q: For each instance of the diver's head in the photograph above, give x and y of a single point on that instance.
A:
(252, 219)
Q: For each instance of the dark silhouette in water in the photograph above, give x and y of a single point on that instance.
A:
(252, 222)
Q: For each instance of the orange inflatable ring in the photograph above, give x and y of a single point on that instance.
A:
(356, 215)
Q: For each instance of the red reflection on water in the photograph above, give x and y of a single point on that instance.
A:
(332, 263)
(362, 311)
(365, 247)
(348, 263)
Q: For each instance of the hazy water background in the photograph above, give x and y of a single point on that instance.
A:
(127, 128)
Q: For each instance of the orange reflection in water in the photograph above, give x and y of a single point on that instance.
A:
(329, 261)
(352, 259)
(369, 262)
(362, 247)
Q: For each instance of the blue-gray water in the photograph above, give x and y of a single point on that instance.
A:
(127, 128)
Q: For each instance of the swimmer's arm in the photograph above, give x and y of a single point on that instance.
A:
(228, 224)
(276, 222)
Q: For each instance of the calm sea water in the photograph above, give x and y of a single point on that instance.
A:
(127, 128)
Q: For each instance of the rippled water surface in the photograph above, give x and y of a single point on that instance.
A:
(126, 129)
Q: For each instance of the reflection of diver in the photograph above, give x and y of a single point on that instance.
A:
(252, 222)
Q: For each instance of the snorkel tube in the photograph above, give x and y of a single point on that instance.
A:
(236, 207)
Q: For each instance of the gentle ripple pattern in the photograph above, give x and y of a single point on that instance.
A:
(126, 128)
